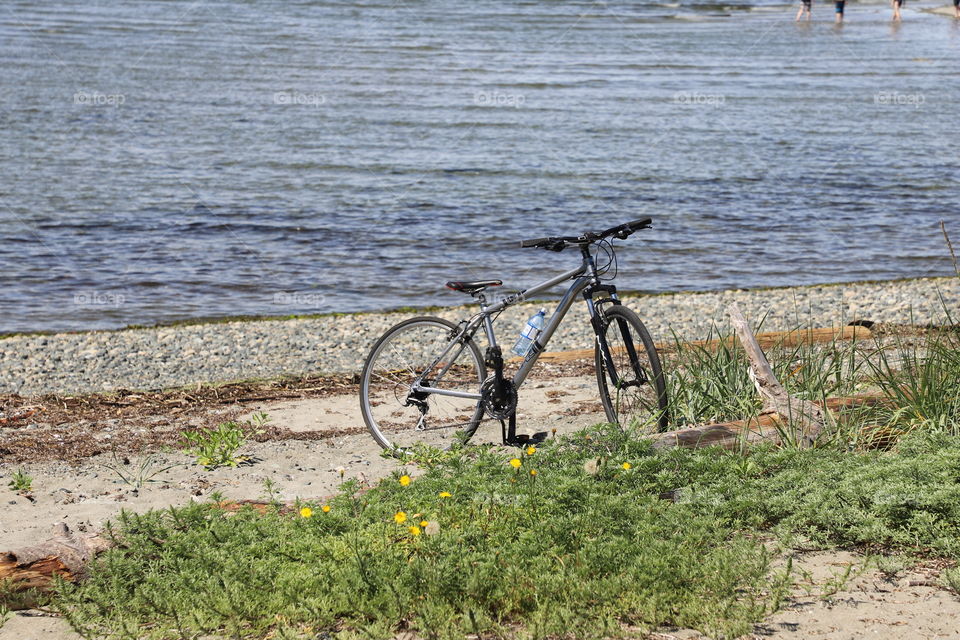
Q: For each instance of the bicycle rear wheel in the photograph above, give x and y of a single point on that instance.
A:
(412, 351)
(632, 387)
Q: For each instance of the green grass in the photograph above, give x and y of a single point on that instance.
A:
(711, 384)
(918, 376)
(922, 380)
(564, 553)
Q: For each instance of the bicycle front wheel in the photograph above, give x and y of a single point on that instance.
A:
(421, 350)
(632, 387)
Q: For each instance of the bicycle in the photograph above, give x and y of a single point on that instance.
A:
(425, 380)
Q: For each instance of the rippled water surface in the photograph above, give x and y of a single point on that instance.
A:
(175, 159)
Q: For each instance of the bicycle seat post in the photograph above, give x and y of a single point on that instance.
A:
(487, 321)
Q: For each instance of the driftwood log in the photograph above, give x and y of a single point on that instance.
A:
(28, 573)
(766, 427)
(805, 416)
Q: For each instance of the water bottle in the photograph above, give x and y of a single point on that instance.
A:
(530, 333)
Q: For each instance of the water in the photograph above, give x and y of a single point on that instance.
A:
(177, 159)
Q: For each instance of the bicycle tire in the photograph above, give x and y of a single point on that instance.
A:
(385, 388)
(622, 327)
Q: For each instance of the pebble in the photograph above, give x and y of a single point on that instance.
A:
(156, 358)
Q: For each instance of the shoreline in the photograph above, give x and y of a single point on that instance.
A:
(420, 309)
(164, 357)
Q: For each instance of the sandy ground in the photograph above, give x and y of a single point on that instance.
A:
(845, 596)
(323, 433)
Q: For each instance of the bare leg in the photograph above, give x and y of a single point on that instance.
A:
(896, 10)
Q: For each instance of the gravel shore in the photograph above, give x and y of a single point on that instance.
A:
(164, 357)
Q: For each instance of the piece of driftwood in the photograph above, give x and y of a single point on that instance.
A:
(765, 427)
(805, 417)
(728, 435)
(27, 573)
(766, 340)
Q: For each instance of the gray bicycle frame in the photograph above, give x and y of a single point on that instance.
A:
(580, 282)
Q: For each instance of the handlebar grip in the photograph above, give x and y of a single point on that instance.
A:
(642, 223)
(623, 231)
(534, 242)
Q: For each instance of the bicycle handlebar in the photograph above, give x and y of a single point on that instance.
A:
(559, 243)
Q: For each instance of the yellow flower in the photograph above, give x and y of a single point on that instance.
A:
(404, 480)
(533, 472)
(414, 531)
(424, 523)
(325, 508)
(515, 463)
(531, 451)
(306, 512)
(445, 494)
(627, 466)
(400, 517)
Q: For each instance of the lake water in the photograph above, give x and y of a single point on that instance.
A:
(183, 158)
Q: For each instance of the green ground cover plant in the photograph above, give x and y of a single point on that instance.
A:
(595, 535)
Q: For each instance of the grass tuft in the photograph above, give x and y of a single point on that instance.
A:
(21, 482)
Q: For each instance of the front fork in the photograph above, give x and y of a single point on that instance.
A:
(600, 329)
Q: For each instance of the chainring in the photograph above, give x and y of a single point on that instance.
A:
(494, 409)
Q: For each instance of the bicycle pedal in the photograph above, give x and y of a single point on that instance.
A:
(523, 440)
(537, 438)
